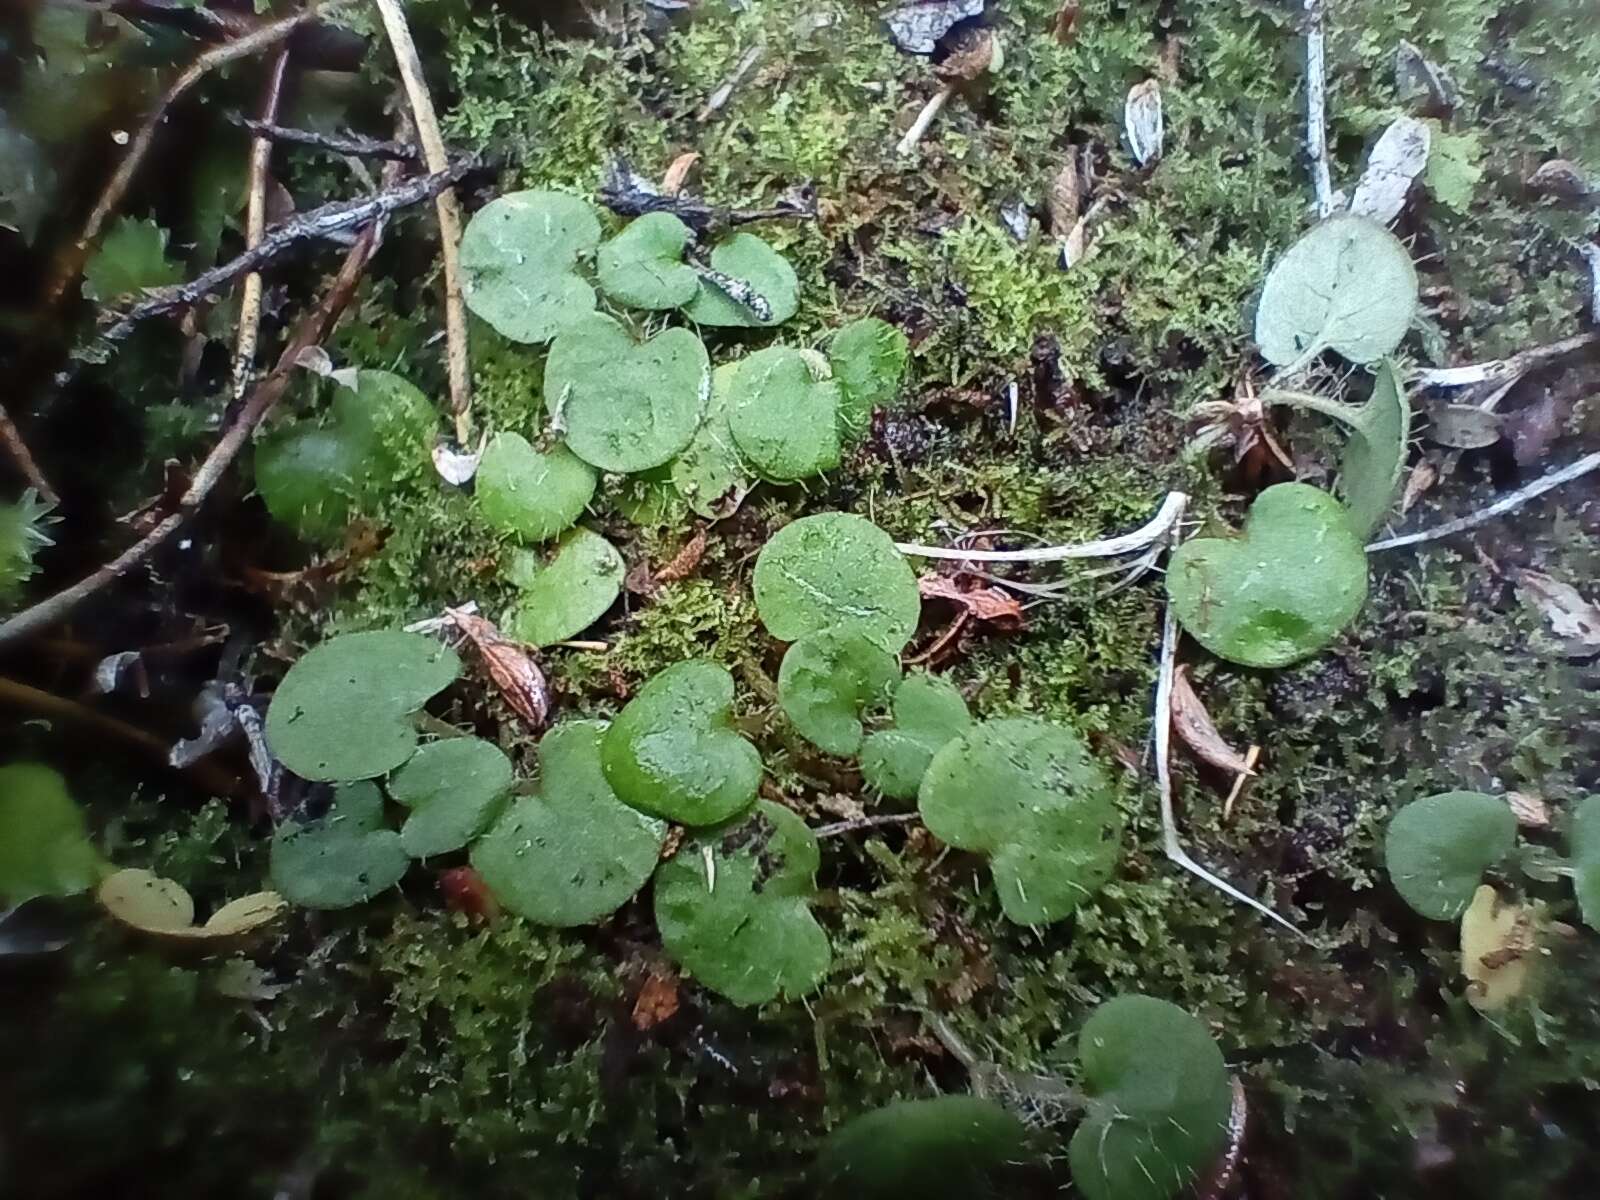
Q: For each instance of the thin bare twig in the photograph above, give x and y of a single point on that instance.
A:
(624, 195)
(337, 217)
(1169, 821)
(353, 145)
(255, 227)
(311, 330)
(11, 439)
(449, 212)
(209, 776)
(1500, 507)
(72, 262)
(747, 63)
(1157, 529)
(1499, 369)
(855, 824)
(1317, 107)
(317, 45)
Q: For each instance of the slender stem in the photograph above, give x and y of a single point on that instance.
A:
(1156, 529)
(1317, 108)
(352, 144)
(11, 439)
(255, 227)
(925, 118)
(1506, 368)
(859, 823)
(448, 210)
(1500, 507)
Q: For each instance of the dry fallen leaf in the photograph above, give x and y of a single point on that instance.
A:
(972, 54)
(1396, 160)
(985, 603)
(657, 1002)
(686, 560)
(1065, 199)
(465, 892)
(1561, 178)
(162, 910)
(1142, 122)
(1498, 943)
(1463, 426)
(1572, 618)
(1421, 480)
(1195, 728)
(1530, 810)
(510, 665)
(678, 173)
(1066, 23)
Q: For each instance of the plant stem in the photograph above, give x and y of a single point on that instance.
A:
(255, 228)
(1317, 108)
(11, 439)
(925, 118)
(1156, 529)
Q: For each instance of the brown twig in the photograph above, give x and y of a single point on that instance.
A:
(627, 196)
(72, 261)
(449, 212)
(317, 45)
(855, 824)
(255, 227)
(312, 329)
(11, 438)
(354, 145)
(340, 216)
(209, 776)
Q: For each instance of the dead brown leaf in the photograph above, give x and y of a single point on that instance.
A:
(657, 1001)
(1572, 618)
(985, 603)
(1418, 484)
(1066, 23)
(685, 561)
(1530, 810)
(678, 173)
(510, 665)
(1065, 200)
(1194, 726)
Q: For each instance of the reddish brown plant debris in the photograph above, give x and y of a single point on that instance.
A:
(465, 892)
(510, 665)
(657, 1000)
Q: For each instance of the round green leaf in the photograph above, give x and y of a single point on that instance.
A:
(1348, 286)
(563, 596)
(1438, 848)
(952, 1146)
(454, 788)
(1026, 794)
(342, 858)
(643, 267)
(784, 419)
(344, 710)
(755, 269)
(44, 841)
(709, 474)
(1586, 860)
(1159, 1101)
(518, 260)
(574, 853)
(734, 910)
(1280, 591)
(673, 753)
(625, 405)
(827, 679)
(650, 499)
(869, 361)
(928, 712)
(313, 474)
(836, 570)
(530, 494)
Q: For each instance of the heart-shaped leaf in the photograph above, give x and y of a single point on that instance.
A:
(1026, 794)
(784, 420)
(673, 753)
(869, 361)
(1438, 848)
(734, 909)
(625, 405)
(563, 596)
(574, 853)
(643, 267)
(344, 710)
(757, 286)
(928, 712)
(161, 909)
(1347, 286)
(1280, 591)
(344, 857)
(952, 1146)
(531, 494)
(825, 682)
(44, 841)
(836, 571)
(312, 474)
(1586, 860)
(710, 474)
(1159, 1101)
(454, 789)
(518, 260)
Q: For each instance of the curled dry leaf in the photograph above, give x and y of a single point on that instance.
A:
(162, 910)
(1463, 427)
(1065, 28)
(1065, 200)
(1530, 810)
(510, 665)
(1396, 160)
(678, 173)
(1196, 730)
(1561, 179)
(1572, 618)
(657, 1001)
(684, 562)
(1418, 484)
(1143, 123)
(1499, 940)
(985, 603)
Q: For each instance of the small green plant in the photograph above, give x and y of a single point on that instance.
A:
(44, 840)
(454, 789)
(21, 537)
(1586, 859)
(734, 908)
(342, 858)
(131, 258)
(825, 682)
(643, 266)
(672, 752)
(573, 853)
(520, 255)
(1159, 1100)
(1280, 591)
(783, 414)
(750, 284)
(868, 358)
(836, 571)
(710, 474)
(1027, 795)
(1438, 848)
(561, 595)
(532, 495)
(928, 712)
(343, 712)
(947, 1146)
